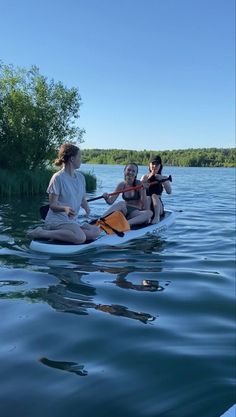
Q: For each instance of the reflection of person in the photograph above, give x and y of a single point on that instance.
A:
(66, 195)
(135, 204)
(118, 310)
(73, 367)
(154, 191)
(146, 285)
(62, 298)
(122, 282)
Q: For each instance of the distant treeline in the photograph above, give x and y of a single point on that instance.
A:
(204, 157)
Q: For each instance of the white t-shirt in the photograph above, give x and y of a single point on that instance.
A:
(70, 192)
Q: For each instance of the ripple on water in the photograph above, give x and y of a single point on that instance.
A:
(76, 334)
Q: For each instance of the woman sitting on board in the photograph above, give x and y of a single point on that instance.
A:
(155, 190)
(135, 204)
(66, 195)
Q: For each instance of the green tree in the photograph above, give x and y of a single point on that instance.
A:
(36, 116)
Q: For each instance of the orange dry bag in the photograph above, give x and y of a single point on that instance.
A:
(114, 223)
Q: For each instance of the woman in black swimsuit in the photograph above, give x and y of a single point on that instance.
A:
(135, 204)
(154, 180)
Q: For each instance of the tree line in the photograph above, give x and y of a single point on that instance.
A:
(37, 115)
(202, 157)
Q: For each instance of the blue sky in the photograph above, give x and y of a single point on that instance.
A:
(152, 74)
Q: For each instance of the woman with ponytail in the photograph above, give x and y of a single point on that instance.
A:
(66, 192)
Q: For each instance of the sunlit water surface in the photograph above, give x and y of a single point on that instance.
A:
(83, 335)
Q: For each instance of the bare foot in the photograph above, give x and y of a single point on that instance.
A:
(155, 220)
(35, 233)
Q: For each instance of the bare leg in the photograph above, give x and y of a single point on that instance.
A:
(139, 217)
(91, 232)
(67, 233)
(121, 206)
(149, 202)
(158, 208)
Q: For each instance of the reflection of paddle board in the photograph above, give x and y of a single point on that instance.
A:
(231, 412)
(63, 248)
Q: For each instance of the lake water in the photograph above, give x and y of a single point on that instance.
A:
(83, 336)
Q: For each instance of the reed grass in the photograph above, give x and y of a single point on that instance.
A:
(91, 181)
(29, 183)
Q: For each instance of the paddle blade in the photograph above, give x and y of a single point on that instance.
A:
(44, 211)
(167, 179)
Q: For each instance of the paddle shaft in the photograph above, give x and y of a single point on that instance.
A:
(135, 187)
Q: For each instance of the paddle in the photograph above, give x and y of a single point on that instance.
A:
(44, 209)
(137, 187)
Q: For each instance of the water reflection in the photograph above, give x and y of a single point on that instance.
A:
(118, 310)
(73, 295)
(145, 285)
(73, 367)
(121, 281)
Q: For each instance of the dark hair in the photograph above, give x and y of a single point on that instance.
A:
(66, 151)
(156, 160)
(131, 163)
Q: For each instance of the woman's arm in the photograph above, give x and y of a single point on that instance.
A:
(144, 181)
(54, 206)
(85, 206)
(144, 178)
(144, 200)
(112, 198)
(166, 184)
(167, 187)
